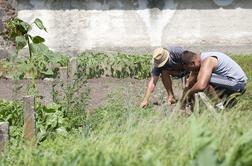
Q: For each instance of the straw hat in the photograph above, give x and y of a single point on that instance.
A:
(160, 57)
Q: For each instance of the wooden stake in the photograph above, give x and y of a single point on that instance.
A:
(29, 119)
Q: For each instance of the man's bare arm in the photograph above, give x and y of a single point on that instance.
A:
(203, 77)
(151, 87)
(166, 79)
(192, 79)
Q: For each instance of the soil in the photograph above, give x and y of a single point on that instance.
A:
(102, 88)
(131, 91)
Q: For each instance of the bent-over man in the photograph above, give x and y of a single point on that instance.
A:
(167, 62)
(212, 68)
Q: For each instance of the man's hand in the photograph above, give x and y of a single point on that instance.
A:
(144, 104)
(171, 100)
(150, 89)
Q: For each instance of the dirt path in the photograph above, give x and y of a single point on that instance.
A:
(101, 88)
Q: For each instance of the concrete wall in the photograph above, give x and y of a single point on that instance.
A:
(139, 25)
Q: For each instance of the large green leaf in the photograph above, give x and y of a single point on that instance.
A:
(24, 27)
(20, 42)
(18, 75)
(24, 67)
(38, 39)
(52, 107)
(39, 24)
(49, 72)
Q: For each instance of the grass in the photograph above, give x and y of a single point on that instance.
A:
(119, 133)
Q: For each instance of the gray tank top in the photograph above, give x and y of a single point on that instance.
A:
(226, 66)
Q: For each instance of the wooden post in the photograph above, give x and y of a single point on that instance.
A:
(47, 90)
(206, 101)
(183, 79)
(63, 74)
(4, 134)
(72, 69)
(29, 119)
(196, 104)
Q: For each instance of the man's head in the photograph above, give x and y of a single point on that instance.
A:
(191, 61)
(160, 57)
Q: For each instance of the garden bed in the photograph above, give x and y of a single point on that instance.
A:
(100, 89)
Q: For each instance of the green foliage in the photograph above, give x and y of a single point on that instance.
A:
(37, 40)
(11, 112)
(116, 135)
(102, 115)
(120, 133)
(15, 27)
(44, 63)
(73, 98)
(39, 24)
(18, 30)
(51, 120)
(202, 151)
(241, 153)
(20, 42)
(119, 66)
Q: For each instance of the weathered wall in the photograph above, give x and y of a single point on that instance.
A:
(7, 10)
(139, 25)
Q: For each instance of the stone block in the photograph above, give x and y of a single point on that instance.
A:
(4, 134)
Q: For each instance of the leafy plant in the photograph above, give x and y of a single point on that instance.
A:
(119, 66)
(50, 120)
(11, 112)
(41, 63)
(18, 30)
(46, 62)
(73, 96)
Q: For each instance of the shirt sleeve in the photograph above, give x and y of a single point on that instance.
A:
(176, 50)
(156, 71)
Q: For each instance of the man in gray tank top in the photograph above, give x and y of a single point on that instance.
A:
(212, 68)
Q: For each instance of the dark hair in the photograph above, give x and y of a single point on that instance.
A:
(187, 56)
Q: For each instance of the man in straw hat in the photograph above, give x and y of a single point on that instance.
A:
(167, 62)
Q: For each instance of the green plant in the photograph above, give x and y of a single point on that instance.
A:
(18, 30)
(119, 66)
(116, 135)
(120, 133)
(51, 120)
(73, 96)
(45, 61)
(11, 112)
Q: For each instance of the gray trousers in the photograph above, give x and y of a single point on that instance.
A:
(227, 84)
